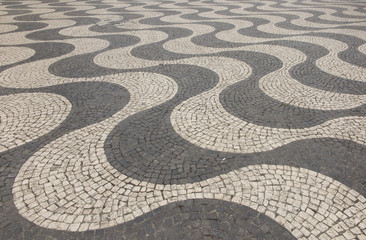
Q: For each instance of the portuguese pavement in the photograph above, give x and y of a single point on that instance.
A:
(176, 119)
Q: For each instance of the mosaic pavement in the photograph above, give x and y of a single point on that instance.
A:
(242, 119)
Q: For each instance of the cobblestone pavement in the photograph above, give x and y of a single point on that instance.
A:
(217, 119)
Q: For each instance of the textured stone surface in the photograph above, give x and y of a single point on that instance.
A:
(182, 119)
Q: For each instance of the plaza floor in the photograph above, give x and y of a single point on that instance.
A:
(242, 119)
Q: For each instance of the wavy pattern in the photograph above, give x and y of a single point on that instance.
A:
(112, 112)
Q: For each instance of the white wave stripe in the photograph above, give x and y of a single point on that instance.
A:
(10, 55)
(5, 28)
(362, 48)
(28, 116)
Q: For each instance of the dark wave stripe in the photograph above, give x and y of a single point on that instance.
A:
(30, 17)
(29, 26)
(14, 12)
(190, 219)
